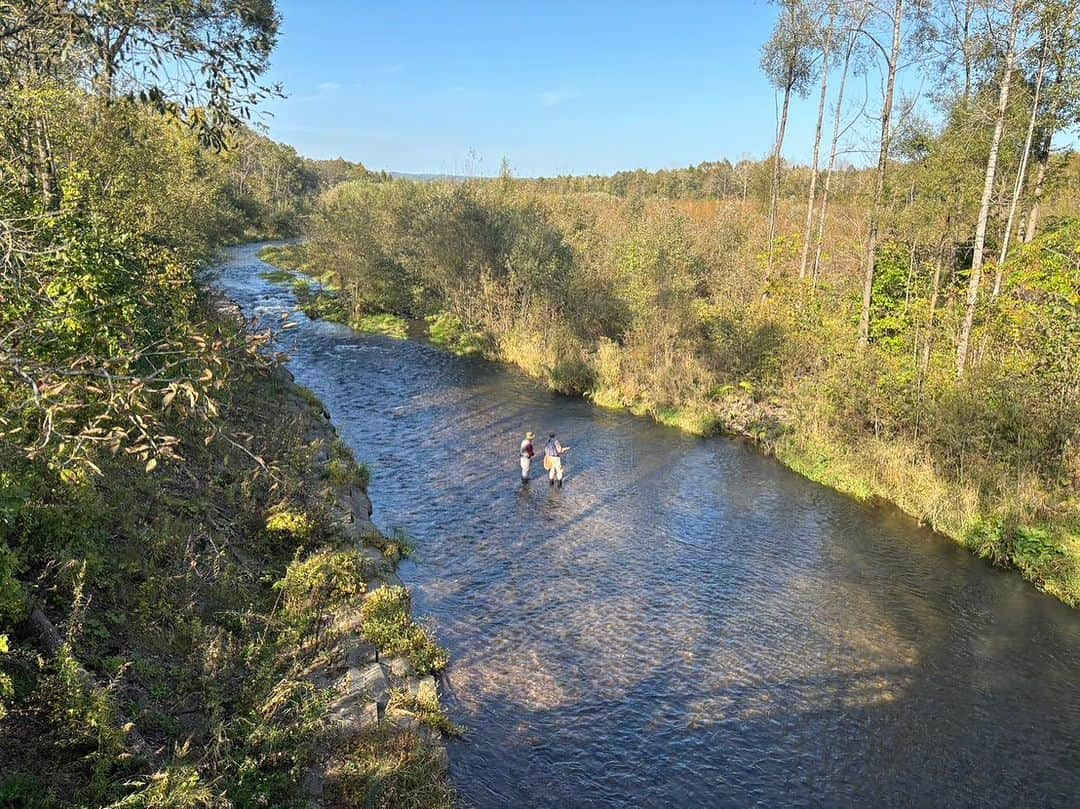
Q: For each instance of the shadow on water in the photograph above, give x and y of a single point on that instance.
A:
(686, 623)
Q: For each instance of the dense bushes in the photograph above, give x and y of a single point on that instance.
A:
(648, 304)
(135, 478)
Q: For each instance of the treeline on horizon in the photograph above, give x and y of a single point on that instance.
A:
(749, 180)
(908, 330)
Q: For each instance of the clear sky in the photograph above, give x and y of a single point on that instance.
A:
(555, 87)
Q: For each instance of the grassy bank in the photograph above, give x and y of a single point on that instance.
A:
(896, 471)
(197, 612)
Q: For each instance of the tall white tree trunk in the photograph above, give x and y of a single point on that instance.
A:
(964, 342)
(836, 133)
(1032, 224)
(879, 185)
(1047, 138)
(928, 343)
(965, 47)
(809, 226)
(776, 176)
(1021, 172)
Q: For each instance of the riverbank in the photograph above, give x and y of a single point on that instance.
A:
(225, 625)
(791, 428)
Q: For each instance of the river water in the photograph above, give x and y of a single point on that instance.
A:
(685, 623)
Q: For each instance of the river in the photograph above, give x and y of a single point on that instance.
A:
(685, 623)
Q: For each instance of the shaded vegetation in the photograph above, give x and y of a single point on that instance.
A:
(388, 773)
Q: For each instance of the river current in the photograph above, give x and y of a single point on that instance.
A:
(685, 623)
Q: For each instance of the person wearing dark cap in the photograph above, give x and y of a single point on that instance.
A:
(553, 452)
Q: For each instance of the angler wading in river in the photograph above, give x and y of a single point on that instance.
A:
(527, 454)
(553, 452)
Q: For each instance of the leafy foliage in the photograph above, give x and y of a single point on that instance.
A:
(387, 623)
(321, 583)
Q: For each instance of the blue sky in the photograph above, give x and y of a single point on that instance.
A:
(586, 87)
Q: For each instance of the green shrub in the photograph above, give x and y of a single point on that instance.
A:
(1007, 545)
(363, 474)
(172, 788)
(320, 304)
(86, 717)
(291, 524)
(342, 470)
(396, 547)
(12, 598)
(323, 582)
(7, 688)
(19, 790)
(386, 622)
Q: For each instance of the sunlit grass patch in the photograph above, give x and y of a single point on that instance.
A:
(447, 331)
(343, 470)
(386, 622)
(290, 523)
(321, 583)
(277, 276)
(348, 473)
(1042, 556)
(397, 546)
(425, 706)
(318, 302)
(822, 464)
(284, 256)
(294, 258)
(382, 323)
(694, 419)
(174, 786)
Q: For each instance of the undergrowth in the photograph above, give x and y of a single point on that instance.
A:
(189, 601)
(387, 772)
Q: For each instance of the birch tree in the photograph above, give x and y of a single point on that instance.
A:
(1021, 171)
(977, 259)
(851, 33)
(826, 38)
(891, 56)
(1061, 100)
(787, 59)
